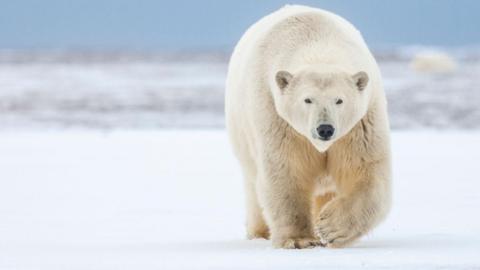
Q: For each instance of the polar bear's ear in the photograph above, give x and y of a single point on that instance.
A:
(361, 80)
(283, 79)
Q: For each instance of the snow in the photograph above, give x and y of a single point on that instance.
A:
(85, 199)
(123, 90)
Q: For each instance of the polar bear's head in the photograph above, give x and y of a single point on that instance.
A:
(323, 107)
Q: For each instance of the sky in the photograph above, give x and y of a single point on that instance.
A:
(217, 24)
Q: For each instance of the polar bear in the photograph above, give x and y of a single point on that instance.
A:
(306, 115)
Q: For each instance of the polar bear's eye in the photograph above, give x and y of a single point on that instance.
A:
(339, 101)
(308, 101)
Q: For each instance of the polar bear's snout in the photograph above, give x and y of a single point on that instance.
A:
(325, 132)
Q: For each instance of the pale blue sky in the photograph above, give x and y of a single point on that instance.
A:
(216, 24)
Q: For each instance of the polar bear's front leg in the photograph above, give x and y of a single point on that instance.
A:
(286, 199)
(354, 211)
(287, 207)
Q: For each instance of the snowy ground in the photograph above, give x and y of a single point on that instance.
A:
(174, 200)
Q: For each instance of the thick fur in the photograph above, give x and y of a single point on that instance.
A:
(302, 191)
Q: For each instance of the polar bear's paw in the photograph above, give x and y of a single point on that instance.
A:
(257, 228)
(336, 226)
(254, 234)
(297, 243)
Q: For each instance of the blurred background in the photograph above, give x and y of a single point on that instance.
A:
(118, 64)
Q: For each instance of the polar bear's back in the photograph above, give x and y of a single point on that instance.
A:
(288, 15)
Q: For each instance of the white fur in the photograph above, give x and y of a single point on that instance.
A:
(273, 134)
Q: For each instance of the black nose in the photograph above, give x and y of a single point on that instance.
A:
(325, 132)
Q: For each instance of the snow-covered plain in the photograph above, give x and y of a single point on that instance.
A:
(111, 90)
(174, 200)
